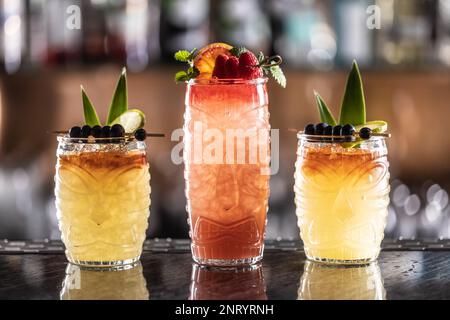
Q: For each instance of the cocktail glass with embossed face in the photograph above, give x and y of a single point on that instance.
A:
(342, 195)
(102, 199)
(226, 154)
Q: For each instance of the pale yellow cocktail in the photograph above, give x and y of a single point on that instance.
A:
(342, 195)
(102, 199)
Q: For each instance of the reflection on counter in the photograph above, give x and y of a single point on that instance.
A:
(323, 282)
(84, 284)
(227, 284)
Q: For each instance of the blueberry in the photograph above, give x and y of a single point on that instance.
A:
(117, 131)
(347, 130)
(309, 129)
(96, 131)
(140, 134)
(106, 132)
(365, 133)
(328, 130)
(320, 127)
(85, 131)
(337, 130)
(75, 132)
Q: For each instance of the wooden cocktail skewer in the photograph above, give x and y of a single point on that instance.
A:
(149, 134)
(355, 134)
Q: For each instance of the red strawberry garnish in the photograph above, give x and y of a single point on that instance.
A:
(248, 66)
(232, 68)
(219, 66)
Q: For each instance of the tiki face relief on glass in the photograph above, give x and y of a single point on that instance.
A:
(342, 182)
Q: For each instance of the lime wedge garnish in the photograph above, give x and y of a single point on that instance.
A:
(377, 126)
(130, 120)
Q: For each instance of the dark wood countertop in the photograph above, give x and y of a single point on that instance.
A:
(401, 272)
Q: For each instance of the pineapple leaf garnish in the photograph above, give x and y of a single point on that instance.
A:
(119, 102)
(90, 115)
(188, 57)
(353, 109)
(324, 112)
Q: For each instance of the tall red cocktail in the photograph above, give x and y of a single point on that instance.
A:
(227, 169)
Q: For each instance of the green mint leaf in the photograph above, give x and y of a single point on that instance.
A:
(237, 51)
(181, 76)
(90, 115)
(353, 109)
(325, 113)
(278, 75)
(119, 102)
(182, 56)
(261, 57)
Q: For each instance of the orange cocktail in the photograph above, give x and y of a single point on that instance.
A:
(227, 169)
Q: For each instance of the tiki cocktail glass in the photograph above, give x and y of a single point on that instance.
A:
(227, 155)
(102, 200)
(342, 195)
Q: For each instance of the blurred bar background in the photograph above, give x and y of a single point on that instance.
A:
(405, 66)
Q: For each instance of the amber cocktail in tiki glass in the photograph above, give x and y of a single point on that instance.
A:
(103, 185)
(226, 152)
(342, 182)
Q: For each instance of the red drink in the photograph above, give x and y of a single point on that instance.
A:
(227, 158)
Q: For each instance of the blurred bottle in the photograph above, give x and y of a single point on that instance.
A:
(323, 282)
(141, 32)
(184, 25)
(241, 23)
(63, 45)
(443, 32)
(302, 34)
(227, 284)
(82, 284)
(407, 34)
(12, 34)
(354, 38)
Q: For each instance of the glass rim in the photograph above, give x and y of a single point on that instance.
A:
(335, 139)
(261, 80)
(91, 140)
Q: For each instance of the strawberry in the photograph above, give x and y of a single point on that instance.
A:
(248, 66)
(232, 68)
(219, 67)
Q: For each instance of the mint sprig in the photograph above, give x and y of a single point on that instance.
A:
(271, 67)
(187, 57)
(278, 75)
(191, 73)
